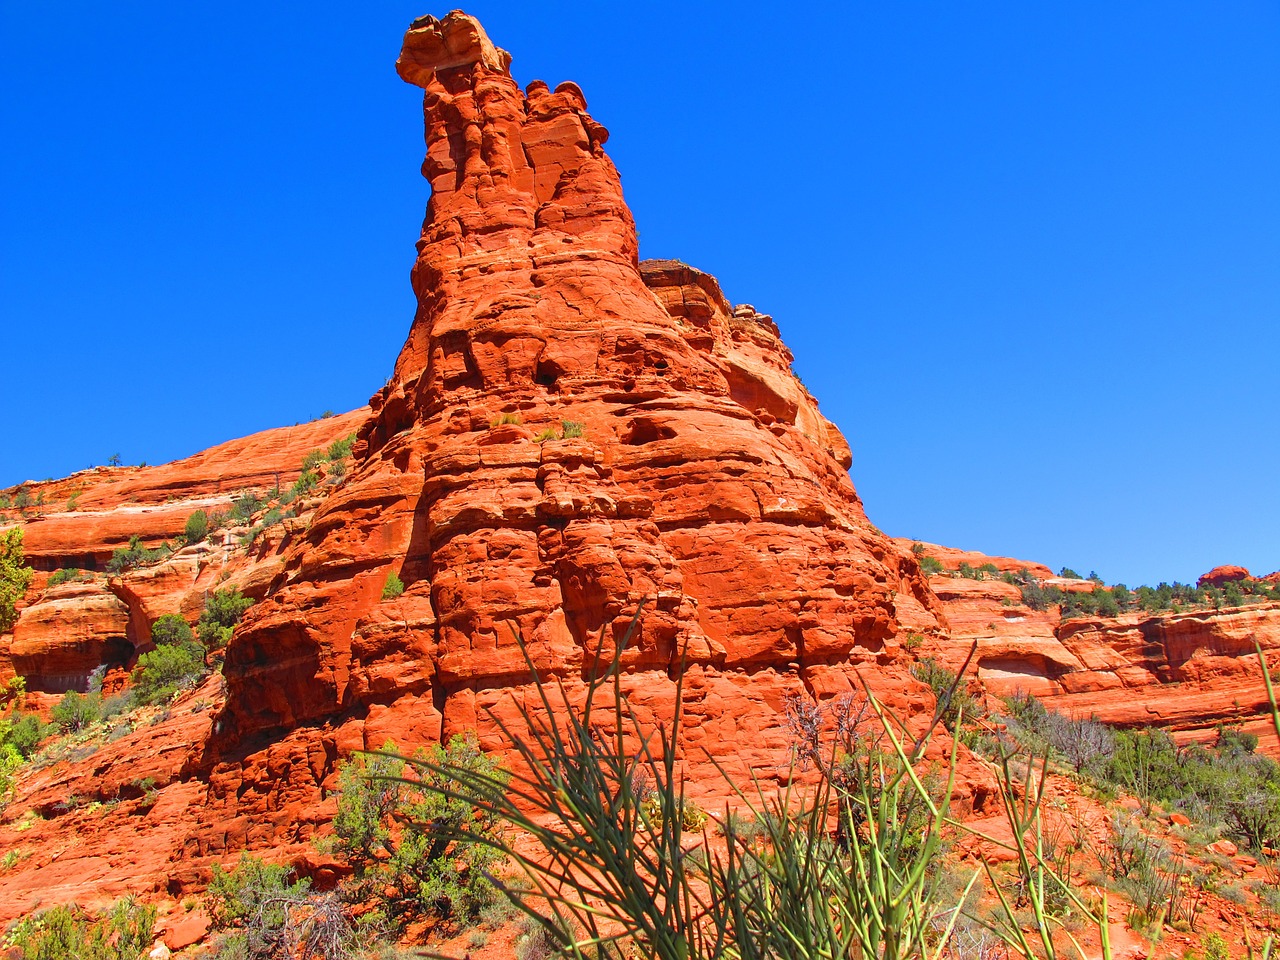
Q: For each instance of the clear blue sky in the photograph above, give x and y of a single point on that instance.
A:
(1027, 254)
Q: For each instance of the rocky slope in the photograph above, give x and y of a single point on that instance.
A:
(1185, 671)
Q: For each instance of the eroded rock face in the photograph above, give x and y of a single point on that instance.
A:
(567, 433)
(72, 630)
(1182, 671)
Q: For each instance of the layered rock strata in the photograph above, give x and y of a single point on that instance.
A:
(567, 434)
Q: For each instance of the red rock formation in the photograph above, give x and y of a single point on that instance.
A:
(703, 478)
(1222, 575)
(112, 504)
(567, 433)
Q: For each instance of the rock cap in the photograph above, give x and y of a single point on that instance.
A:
(458, 40)
(1223, 575)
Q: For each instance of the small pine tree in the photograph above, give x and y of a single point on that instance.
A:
(15, 576)
(171, 629)
(393, 587)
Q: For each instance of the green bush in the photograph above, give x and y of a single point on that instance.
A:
(1226, 782)
(167, 670)
(302, 486)
(930, 566)
(266, 914)
(570, 429)
(235, 896)
(430, 870)
(124, 932)
(20, 734)
(15, 576)
(23, 732)
(135, 555)
(68, 575)
(223, 609)
(393, 587)
(76, 711)
(953, 698)
(245, 506)
(197, 527)
(272, 517)
(171, 629)
(341, 449)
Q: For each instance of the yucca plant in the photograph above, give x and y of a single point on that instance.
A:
(846, 869)
(1042, 884)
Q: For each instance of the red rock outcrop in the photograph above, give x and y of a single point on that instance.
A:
(559, 443)
(567, 434)
(1222, 575)
(84, 517)
(1183, 671)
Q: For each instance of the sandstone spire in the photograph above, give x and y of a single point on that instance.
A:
(567, 433)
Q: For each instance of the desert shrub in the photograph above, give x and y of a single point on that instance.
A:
(197, 527)
(135, 555)
(245, 506)
(930, 566)
(223, 609)
(312, 460)
(341, 449)
(1086, 744)
(1131, 851)
(166, 670)
(953, 698)
(67, 575)
(545, 435)
(171, 629)
(23, 732)
(398, 829)
(22, 500)
(393, 587)
(1234, 742)
(274, 516)
(570, 429)
(123, 932)
(1223, 782)
(15, 576)
(20, 734)
(76, 711)
(305, 483)
(535, 942)
(265, 913)
(1215, 947)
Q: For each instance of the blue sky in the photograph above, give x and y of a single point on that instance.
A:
(1027, 255)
